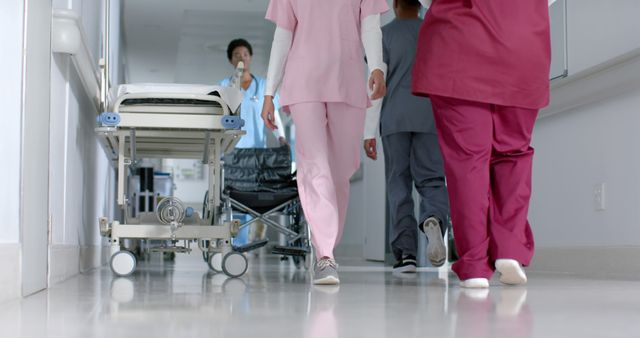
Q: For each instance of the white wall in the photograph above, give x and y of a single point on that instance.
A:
(575, 151)
(82, 178)
(600, 30)
(591, 144)
(588, 136)
(11, 20)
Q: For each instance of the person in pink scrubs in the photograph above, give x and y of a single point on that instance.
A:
(317, 55)
(485, 66)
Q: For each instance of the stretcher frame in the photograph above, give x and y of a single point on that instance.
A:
(162, 130)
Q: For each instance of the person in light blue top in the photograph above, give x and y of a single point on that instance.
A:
(252, 87)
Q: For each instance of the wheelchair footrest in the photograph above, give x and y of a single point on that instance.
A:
(289, 250)
(251, 246)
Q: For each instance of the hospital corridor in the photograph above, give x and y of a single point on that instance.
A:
(333, 168)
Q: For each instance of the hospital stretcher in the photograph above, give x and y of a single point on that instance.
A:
(172, 121)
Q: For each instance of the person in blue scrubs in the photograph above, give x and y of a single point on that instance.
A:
(253, 87)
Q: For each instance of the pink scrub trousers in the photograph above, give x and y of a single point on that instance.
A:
(488, 162)
(328, 137)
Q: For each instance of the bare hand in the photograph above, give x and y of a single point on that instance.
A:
(283, 141)
(268, 113)
(370, 148)
(377, 85)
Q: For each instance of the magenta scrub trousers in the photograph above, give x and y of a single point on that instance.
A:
(328, 137)
(488, 160)
(485, 65)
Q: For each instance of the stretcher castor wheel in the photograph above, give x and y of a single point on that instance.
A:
(234, 264)
(123, 263)
(215, 262)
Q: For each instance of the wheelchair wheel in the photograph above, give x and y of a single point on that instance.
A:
(215, 262)
(234, 264)
(205, 254)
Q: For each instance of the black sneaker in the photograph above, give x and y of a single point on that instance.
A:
(406, 265)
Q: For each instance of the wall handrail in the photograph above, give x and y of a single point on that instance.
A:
(68, 37)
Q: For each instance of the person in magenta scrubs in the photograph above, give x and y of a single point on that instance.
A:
(485, 66)
(317, 55)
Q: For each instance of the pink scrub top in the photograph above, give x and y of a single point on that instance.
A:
(491, 51)
(326, 59)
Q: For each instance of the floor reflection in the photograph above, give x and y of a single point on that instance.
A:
(485, 313)
(274, 299)
(322, 321)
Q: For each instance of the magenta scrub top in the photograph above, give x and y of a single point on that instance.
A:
(326, 59)
(492, 51)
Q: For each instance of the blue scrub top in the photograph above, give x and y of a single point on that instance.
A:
(251, 109)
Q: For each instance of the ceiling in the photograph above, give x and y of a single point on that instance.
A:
(185, 41)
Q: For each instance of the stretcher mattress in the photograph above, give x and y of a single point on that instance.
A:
(176, 94)
(167, 88)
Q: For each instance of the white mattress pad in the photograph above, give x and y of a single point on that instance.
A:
(233, 97)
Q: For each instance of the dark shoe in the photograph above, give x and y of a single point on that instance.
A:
(406, 265)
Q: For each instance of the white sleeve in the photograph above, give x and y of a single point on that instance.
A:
(551, 2)
(427, 3)
(372, 119)
(372, 42)
(282, 40)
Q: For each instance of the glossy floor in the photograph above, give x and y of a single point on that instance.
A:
(182, 299)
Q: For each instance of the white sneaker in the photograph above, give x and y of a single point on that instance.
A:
(511, 272)
(475, 283)
(436, 251)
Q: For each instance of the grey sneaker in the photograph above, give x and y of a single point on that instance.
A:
(326, 272)
(436, 251)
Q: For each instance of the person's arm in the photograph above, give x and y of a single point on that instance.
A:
(426, 3)
(372, 41)
(372, 119)
(279, 132)
(371, 126)
(282, 40)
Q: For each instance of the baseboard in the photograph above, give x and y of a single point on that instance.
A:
(66, 261)
(92, 257)
(10, 267)
(592, 261)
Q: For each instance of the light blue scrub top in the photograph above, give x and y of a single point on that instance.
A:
(251, 109)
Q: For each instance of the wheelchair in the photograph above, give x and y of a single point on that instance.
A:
(259, 184)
